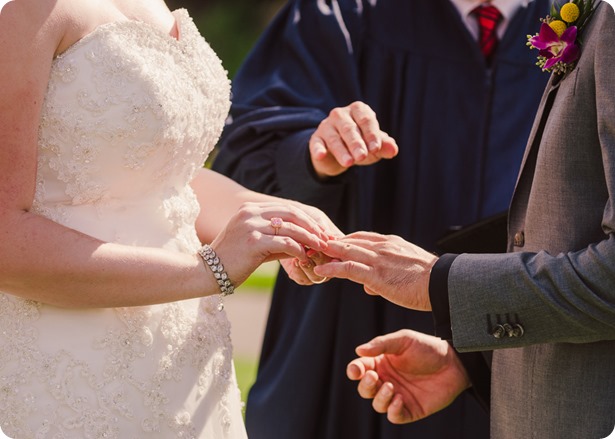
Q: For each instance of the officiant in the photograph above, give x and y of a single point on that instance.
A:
(453, 84)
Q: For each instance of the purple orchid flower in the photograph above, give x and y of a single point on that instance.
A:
(554, 48)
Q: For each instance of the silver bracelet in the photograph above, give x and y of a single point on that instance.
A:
(213, 262)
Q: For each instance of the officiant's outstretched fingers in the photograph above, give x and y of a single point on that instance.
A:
(349, 136)
(386, 265)
(408, 375)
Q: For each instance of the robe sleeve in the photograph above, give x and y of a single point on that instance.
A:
(303, 66)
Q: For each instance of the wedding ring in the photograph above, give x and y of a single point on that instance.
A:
(323, 280)
(276, 223)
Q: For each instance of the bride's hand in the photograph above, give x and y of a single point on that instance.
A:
(320, 217)
(301, 271)
(265, 231)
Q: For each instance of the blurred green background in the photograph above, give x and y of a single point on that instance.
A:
(230, 26)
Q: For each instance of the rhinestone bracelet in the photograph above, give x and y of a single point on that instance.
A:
(213, 262)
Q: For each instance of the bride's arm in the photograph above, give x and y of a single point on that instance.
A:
(45, 261)
(220, 197)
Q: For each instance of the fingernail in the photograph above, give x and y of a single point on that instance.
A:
(369, 380)
(386, 390)
(347, 160)
(373, 146)
(354, 370)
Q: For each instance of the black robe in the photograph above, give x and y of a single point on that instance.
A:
(461, 126)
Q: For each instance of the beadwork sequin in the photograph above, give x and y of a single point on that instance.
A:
(129, 117)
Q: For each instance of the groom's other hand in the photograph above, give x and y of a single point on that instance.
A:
(349, 136)
(386, 265)
(408, 375)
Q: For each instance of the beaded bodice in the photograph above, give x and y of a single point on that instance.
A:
(129, 117)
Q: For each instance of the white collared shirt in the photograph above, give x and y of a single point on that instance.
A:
(508, 8)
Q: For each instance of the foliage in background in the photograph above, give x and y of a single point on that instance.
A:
(230, 26)
(245, 370)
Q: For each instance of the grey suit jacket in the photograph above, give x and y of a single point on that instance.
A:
(556, 379)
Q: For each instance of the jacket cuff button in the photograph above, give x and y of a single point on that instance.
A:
(517, 330)
(498, 331)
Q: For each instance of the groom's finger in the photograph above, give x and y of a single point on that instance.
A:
(383, 398)
(397, 413)
(355, 370)
(369, 385)
(348, 249)
(351, 270)
(361, 236)
(358, 367)
(394, 343)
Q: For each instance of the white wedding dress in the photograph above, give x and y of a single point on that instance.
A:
(129, 117)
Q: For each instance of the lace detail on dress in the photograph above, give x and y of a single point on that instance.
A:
(160, 121)
(129, 117)
(189, 347)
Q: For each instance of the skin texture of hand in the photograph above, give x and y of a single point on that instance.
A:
(302, 272)
(408, 375)
(349, 136)
(320, 217)
(249, 239)
(386, 265)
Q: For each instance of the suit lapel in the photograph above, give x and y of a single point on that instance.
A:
(541, 114)
(519, 202)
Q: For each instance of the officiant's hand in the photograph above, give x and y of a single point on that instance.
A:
(349, 136)
(386, 265)
(408, 375)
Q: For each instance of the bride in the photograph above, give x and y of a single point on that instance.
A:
(111, 321)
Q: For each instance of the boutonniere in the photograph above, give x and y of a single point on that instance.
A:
(558, 42)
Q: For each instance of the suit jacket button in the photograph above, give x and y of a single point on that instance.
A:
(519, 239)
(508, 329)
(498, 331)
(517, 330)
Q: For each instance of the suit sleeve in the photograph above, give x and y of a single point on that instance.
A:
(302, 67)
(566, 297)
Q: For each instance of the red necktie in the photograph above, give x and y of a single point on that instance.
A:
(488, 17)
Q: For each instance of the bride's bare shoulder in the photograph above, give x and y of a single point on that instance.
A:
(55, 24)
(36, 24)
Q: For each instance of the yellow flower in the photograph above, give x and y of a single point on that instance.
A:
(569, 12)
(558, 26)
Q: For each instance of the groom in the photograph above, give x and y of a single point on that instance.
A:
(546, 308)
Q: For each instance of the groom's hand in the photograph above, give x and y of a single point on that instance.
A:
(349, 136)
(408, 375)
(386, 265)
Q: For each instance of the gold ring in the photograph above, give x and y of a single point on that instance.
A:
(324, 279)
